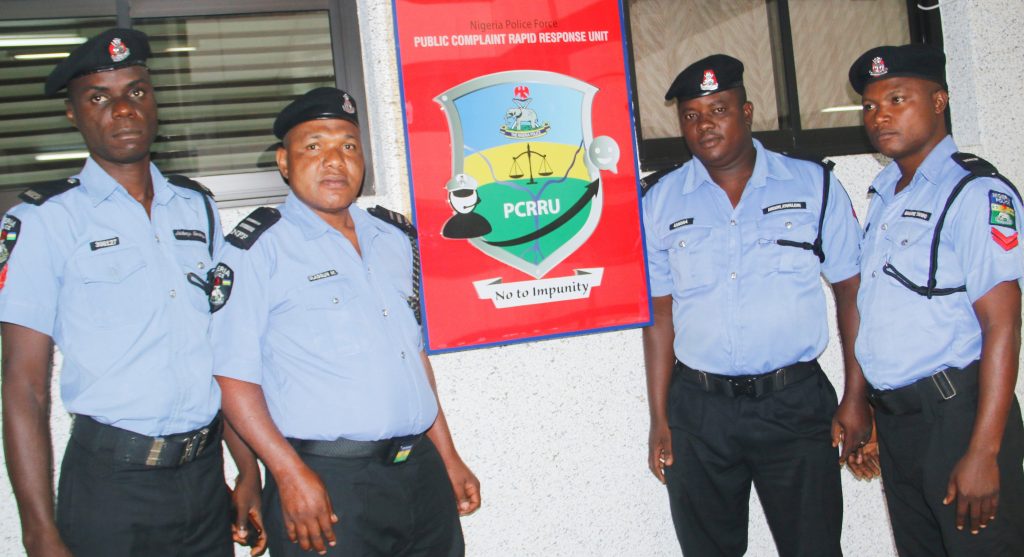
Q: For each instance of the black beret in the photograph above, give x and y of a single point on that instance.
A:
(909, 60)
(716, 73)
(110, 50)
(319, 104)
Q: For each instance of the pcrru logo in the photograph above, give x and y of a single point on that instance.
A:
(524, 187)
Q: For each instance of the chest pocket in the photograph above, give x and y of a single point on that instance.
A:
(781, 235)
(115, 288)
(330, 316)
(909, 250)
(691, 253)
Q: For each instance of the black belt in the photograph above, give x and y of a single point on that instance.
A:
(393, 451)
(749, 385)
(135, 448)
(939, 387)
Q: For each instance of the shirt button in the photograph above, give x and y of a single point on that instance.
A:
(682, 243)
(157, 238)
(789, 224)
(885, 227)
(200, 265)
(732, 222)
(334, 300)
(903, 243)
(403, 354)
(874, 274)
(385, 312)
(172, 293)
(732, 275)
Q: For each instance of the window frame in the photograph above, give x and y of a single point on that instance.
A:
(661, 153)
(256, 187)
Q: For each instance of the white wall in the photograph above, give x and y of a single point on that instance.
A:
(557, 430)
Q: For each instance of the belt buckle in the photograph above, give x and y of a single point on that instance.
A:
(743, 386)
(155, 450)
(945, 386)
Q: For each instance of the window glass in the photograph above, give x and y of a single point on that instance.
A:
(824, 51)
(669, 35)
(37, 143)
(221, 80)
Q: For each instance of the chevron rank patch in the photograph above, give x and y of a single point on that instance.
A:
(1005, 241)
(221, 280)
(1001, 210)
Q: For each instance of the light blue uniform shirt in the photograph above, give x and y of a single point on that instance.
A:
(743, 304)
(904, 336)
(328, 334)
(108, 284)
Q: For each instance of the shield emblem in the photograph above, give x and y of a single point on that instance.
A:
(523, 189)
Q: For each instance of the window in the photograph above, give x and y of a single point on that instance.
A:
(796, 55)
(220, 77)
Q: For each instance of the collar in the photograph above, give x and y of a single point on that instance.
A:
(312, 226)
(932, 169)
(99, 186)
(765, 167)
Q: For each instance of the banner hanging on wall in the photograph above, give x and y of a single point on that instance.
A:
(523, 169)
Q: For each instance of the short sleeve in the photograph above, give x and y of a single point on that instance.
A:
(31, 276)
(985, 233)
(841, 235)
(238, 325)
(658, 265)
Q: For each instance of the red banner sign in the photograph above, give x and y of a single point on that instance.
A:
(523, 169)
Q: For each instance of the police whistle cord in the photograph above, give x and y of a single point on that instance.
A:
(589, 193)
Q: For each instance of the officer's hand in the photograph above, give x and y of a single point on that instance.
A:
(974, 484)
(307, 511)
(659, 446)
(466, 487)
(851, 426)
(247, 523)
(864, 463)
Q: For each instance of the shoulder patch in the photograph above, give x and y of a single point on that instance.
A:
(974, 164)
(188, 183)
(8, 237)
(221, 279)
(39, 194)
(249, 230)
(395, 219)
(652, 179)
(1001, 212)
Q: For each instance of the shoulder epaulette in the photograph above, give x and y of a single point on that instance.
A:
(974, 164)
(188, 183)
(249, 230)
(649, 181)
(811, 158)
(393, 218)
(39, 194)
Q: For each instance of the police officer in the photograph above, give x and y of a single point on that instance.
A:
(736, 240)
(321, 358)
(100, 264)
(940, 331)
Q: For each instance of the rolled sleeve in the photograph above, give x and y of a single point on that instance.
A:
(988, 253)
(841, 237)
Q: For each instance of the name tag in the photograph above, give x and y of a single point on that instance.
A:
(915, 214)
(784, 206)
(325, 274)
(190, 235)
(681, 222)
(108, 243)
